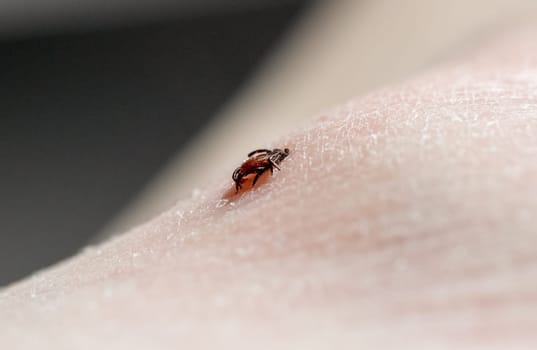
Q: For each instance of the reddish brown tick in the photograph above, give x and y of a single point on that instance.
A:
(257, 163)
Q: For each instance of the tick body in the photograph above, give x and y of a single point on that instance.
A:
(257, 163)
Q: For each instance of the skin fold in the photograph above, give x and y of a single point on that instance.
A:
(401, 219)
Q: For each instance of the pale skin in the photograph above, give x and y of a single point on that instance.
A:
(403, 219)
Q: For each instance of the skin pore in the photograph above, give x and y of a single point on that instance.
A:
(404, 218)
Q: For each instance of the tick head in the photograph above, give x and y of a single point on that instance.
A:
(278, 155)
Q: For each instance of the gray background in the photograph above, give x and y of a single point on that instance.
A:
(92, 106)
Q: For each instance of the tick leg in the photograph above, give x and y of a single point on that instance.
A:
(238, 184)
(274, 165)
(259, 172)
(259, 151)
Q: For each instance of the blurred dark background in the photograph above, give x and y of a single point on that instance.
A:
(89, 114)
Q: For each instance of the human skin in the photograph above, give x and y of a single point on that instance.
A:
(403, 219)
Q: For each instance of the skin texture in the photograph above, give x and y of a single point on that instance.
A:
(405, 218)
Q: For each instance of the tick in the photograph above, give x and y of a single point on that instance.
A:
(257, 163)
